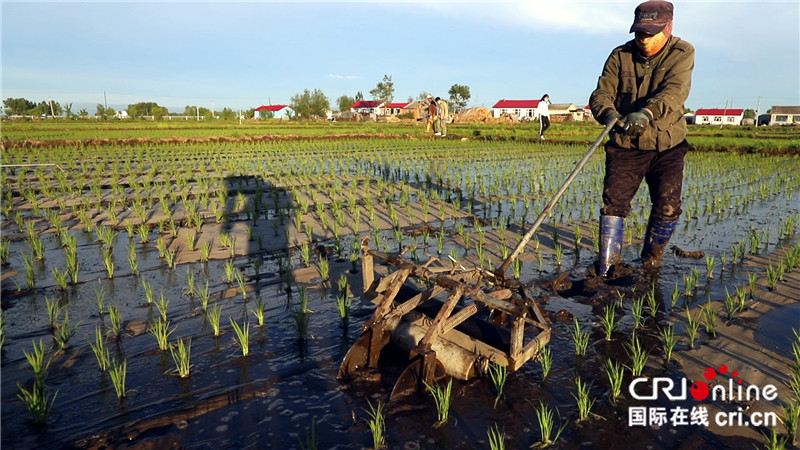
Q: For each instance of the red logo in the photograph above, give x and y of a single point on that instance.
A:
(700, 390)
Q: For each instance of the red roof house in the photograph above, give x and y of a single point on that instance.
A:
(718, 116)
(522, 108)
(278, 112)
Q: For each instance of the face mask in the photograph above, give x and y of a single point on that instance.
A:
(650, 45)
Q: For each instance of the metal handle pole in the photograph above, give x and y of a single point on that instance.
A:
(502, 270)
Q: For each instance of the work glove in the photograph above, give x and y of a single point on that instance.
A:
(613, 118)
(636, 123)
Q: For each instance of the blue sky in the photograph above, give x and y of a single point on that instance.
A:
(245, 54)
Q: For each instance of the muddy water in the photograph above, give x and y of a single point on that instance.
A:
(286, 390)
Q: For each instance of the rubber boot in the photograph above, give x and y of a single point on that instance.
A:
(655, 240)
(611, 228)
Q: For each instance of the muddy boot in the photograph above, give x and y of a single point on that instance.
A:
(610, 244)
(655, 240)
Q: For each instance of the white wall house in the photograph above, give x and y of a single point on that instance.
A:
(718, 116)
(522, 108)
(784, 115)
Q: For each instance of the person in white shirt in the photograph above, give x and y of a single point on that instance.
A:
(543, 109)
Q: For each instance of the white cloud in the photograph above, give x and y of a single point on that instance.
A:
(344, 77)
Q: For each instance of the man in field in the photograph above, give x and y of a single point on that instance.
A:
(641, 90)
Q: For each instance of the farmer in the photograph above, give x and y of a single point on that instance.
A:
(443, 113)
(641, 91)
(431, 113)
(543, 109)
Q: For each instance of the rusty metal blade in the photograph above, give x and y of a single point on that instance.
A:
(410, 382)
(357, 357)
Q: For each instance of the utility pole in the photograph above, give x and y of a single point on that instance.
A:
(105, 105)
(52, 113)
(758, 107)
(212, 110)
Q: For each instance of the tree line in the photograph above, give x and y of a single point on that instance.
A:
(308, 104)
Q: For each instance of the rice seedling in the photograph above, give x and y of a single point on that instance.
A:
(615, 371)
(100, 350)
(64, 332)
(53, 311)
(37, 401)
(498, 374)
(169, 258)
(441, 397)
(343, 299)
(205, 251)
(497, 438)
(132, 261)
(545, 358)
(377, 424)
(546, 419)
(242, 336)
(108, 260)
(30, 273)
(144, 233)
(608, 321)
(181, 356)
(580, 338)
(118, 372)
(213, 316)
(204, 294)
(668, 341)
(115, 318)
(237, 275)
(259, 311)
(794, 381)
(796, 346)
(162, 304)
(773, 275)
(692, 327)
(37, 362)
(731, 304)
(559, 254)
(751, 282)
(582, 398)
(652, 303)
(638, 355)
(773, 441)
(637, 311)
(710, 319)
(311, 438)
(160, 330)
(710, 267)
(674, 296)
(148, 291)
(791, 419)
(5, 250)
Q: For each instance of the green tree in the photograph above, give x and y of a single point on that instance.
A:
(359, 96)
(310, 104)
(344, 102)
(227, 114)
(101, 111)
(146, 109)
(83, 112)
(17, 106)
(68, 110)
(459, 96)
(384, 91)
(749, 114)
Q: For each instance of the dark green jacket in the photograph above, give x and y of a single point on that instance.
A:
(661, 83)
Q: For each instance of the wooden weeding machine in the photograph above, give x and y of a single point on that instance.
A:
(452, 320)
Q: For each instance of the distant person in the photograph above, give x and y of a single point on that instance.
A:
(430, 109)
(641, 91)
(442, 115)
(543, 109)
